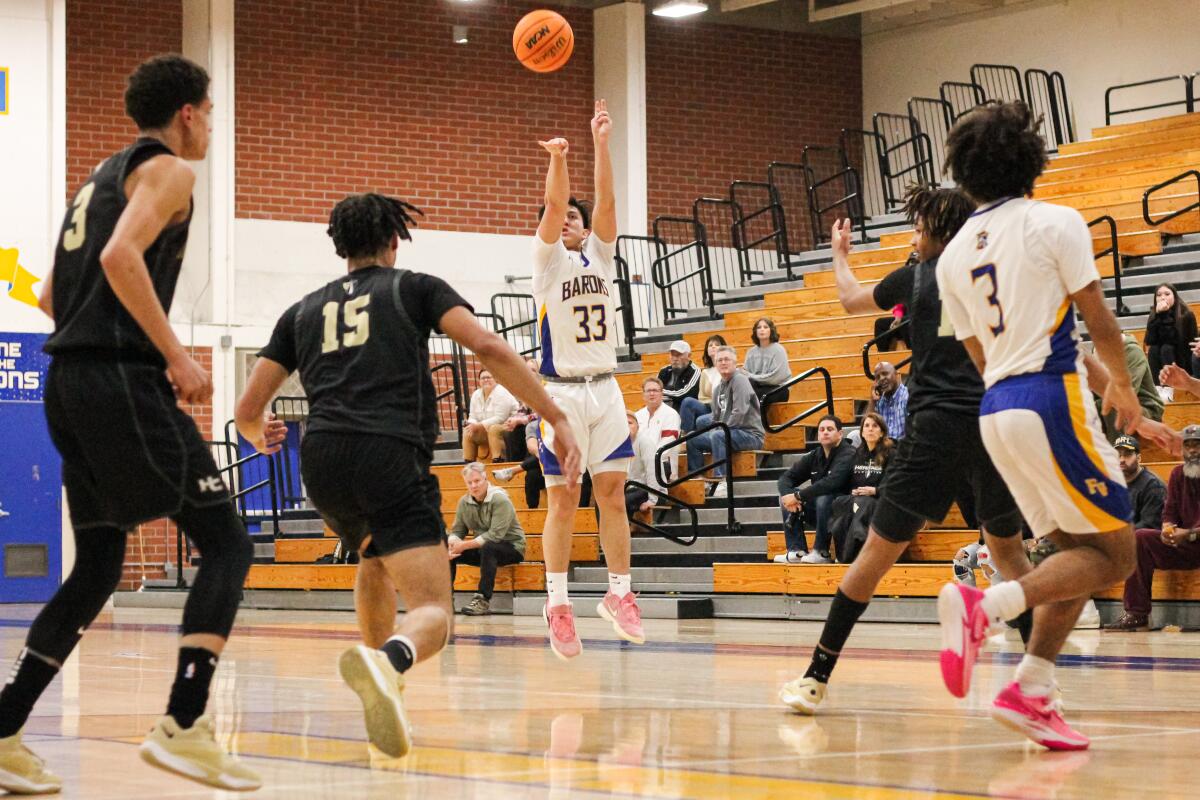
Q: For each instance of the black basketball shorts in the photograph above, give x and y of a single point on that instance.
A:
(129, 454)
(370, 485)
(940, 459)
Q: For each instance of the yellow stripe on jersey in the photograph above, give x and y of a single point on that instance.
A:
(1060, 315)
(1100, 519)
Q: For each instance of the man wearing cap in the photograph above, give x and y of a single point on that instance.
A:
(1176, 545)
(680, 378)
(1146, 490)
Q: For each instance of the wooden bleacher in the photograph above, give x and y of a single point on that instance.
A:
(1105, 175)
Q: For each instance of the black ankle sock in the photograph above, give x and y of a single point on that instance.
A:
(30, 677)
(843, 614)
(399, 653)
(189, 693)
(1025, 625)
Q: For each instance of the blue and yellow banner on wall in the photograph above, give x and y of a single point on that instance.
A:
(15, 280)
(3, 90)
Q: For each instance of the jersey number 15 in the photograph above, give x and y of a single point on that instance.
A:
(358, 323)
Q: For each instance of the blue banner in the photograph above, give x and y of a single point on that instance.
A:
(30, 475)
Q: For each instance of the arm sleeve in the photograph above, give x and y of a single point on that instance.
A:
(741, 403)
(953, 307)
(894, 289)
(1171, 503)
(837, 479)
(282, 347)
(604, 253)
(795, 474)
(427, 298)
(1076, 264)
(459, 528)
(476, 409)
(504, 516)
(1151, 513)
(689, 387)
(706, 389)
(771, 364)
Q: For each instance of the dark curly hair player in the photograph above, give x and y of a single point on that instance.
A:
(1010, 282)
(941, 459)
(361, 346)
(129, 454)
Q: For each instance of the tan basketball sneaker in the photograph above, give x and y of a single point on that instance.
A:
(22, 772)
(380, 688)
(803, 694)
(194, 753)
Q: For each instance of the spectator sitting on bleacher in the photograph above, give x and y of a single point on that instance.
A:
(767, 363)
(1146, 490)
(1143, 380)
(889, 398)
(491, 405)
(1170, 329)
(1176, 545)
(735, 404)
(701, 404)
(514, 426)
(681, 378)
(826, 469)
(485, 511)
(657, 423)
(850, 516)
(641, 469)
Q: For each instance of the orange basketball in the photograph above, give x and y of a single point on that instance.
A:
(543, 40)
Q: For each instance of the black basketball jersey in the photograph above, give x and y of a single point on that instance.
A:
(943, 375)
(87, 313)
(361, 344)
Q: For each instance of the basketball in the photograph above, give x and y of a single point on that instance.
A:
(543, 41)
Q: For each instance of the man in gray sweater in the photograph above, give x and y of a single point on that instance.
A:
(485, 511)
(734, 403)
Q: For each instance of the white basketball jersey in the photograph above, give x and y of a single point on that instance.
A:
(577, 323)
(1006, 279)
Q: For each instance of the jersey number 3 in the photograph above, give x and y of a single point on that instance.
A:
(989, 270)
(358, 323)
(593, 323)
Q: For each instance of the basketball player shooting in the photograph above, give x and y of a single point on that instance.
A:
(573, 271)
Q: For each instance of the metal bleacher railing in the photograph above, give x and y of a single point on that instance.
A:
(1186, 102)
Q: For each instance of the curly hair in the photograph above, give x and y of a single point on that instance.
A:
(580, 205)
(754, 330)
(995, 151)
(941, 211)
(162, 85)
(362, 224)
(720, 340)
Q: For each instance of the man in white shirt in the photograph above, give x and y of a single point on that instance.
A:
(491, 405)
(657, 423)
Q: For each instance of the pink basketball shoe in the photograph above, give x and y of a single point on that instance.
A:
(964, 630)
(1037, 718)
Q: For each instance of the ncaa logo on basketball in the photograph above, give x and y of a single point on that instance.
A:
(538, 35)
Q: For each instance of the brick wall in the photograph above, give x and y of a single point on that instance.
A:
(153, 544)
(334, 98)
(723, 102)
(106, 39)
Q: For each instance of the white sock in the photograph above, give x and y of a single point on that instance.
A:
(556, 588)
(1035, 676)
(1004, 601)
(618, 584)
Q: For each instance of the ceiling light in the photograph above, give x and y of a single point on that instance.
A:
(680, 8)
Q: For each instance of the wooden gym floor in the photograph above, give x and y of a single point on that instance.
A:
(692, 714)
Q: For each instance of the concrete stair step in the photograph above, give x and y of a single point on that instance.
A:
(648, 575)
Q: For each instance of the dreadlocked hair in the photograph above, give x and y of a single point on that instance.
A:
(362, 224)
(941, 211)
(996, 151)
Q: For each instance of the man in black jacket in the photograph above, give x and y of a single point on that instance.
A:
(680, 378)
(1147, 491)
(827, 470)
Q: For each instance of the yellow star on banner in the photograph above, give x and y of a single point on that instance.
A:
(20, 280)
